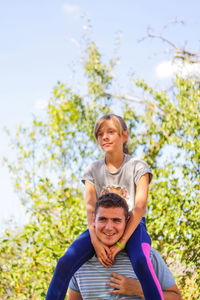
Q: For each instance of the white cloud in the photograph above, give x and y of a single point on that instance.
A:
(168, 68)
(71, 9)
(41, 104)
(164, 69)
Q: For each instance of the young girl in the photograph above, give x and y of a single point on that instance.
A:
(129, 177)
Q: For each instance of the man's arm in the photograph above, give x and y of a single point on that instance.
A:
(74, 295)
(129, 286)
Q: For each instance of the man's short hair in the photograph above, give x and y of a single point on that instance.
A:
(111, 200)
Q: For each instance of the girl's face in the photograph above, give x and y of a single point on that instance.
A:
(109, 139)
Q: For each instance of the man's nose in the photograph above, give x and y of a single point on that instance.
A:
(109, 225)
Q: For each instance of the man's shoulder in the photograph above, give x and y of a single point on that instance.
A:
(154, 252)
(155, 256)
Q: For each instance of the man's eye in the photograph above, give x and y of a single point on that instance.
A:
(102, 219)
(117, 220)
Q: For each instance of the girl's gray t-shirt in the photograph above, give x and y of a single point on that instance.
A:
(123, 182)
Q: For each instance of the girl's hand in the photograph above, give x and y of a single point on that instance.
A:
(103, 253)
(116, 249)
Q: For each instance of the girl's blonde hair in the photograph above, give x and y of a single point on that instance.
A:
(118, 122)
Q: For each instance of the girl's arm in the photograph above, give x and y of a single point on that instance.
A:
(91, 198)
(138, 212)
(103, 252)
(139, 209)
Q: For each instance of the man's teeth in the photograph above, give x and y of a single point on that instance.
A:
(109, 234)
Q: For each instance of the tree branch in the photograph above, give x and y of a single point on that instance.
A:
(179, 53)
(150, 105)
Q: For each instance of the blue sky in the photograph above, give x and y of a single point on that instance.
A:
(40, 45)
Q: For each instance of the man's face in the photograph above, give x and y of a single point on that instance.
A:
(110, 224)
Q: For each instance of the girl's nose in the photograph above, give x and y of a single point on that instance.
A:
(105, 135)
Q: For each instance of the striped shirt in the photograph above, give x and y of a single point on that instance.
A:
(90, 280)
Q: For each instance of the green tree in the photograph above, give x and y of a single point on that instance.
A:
(52, 153)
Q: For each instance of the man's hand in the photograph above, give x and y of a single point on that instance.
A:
(103, 253)
(132, 287)
(125, 285)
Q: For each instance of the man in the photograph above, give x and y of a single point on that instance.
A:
(93, 281)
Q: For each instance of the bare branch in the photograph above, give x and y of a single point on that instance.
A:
(179, 53)
(186, 56)
(127, 97)
(150, 105)
(175, 21)
(156, 36)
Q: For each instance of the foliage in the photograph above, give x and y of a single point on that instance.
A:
(28, 258)
(189, 285)
(52, 153)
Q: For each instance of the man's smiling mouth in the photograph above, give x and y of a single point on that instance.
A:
(109, 234)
